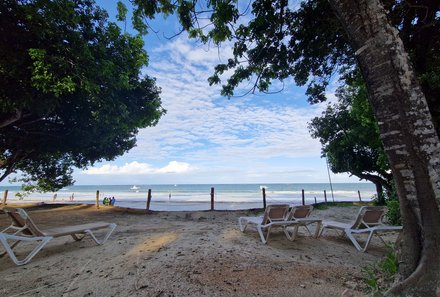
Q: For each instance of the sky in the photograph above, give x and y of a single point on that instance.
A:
(205, 138)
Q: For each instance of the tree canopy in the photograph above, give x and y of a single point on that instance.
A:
(350, 139)
(306, 41)
(71, 91)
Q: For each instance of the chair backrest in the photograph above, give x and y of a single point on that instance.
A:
(275, 212)
(21, 220)
(300, 212)
(369, 216)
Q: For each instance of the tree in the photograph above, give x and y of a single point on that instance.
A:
(71, 92)
(350, 137)
(309, 45)
(409, 137)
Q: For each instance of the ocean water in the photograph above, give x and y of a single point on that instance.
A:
(198, 197)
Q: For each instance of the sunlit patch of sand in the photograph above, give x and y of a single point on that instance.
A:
(154, 243)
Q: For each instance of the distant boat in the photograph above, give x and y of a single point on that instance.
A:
(134, 188)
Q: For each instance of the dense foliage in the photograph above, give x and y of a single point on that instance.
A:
(305, 41)
(71, 92)
(350, 137)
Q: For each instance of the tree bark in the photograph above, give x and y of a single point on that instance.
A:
(380, 183)
(409, 138)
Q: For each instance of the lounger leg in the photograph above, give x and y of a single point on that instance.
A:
(242, 226)
(111, 226)
(8, 248)
(264, 239)
(318, 229)
(291, 236)
(356, 243)
(370, 236)
(11, 246)
(321, 231)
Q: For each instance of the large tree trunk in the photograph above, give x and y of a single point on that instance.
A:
(409, 139)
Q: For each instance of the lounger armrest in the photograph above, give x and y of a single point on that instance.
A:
(76, 229)
(387, 228)
(335, 225)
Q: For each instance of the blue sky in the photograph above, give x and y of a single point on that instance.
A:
(206, 138)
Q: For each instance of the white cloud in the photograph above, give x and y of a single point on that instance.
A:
(199, 123)
(135, 168)
(247, 139)
(175, 167)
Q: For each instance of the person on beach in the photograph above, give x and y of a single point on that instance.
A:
(106, 201)
(112, 201)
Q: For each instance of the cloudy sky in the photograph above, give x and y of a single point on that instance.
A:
(207, 138)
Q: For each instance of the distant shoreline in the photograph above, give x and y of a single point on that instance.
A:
(73, 205)
(198, 197)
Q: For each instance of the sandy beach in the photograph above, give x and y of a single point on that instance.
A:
(186, 254)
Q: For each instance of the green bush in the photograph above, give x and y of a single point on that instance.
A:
(380, 276)
(392, 203)
(393, 214)
(390, 264)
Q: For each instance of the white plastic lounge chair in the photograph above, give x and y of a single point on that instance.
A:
(274, 215)
(24, 229)
(299, 216)
(369, 221)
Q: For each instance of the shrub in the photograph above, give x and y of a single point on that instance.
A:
(393, 214)
(378, 278)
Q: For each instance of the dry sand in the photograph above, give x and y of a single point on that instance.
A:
(186, 254)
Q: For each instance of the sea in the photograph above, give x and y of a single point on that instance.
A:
(191, 197)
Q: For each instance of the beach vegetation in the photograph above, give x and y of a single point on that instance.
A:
(393, 209)
(379, 277)
(72, 90)
(394, 46)
(392, 215)
(324, 206)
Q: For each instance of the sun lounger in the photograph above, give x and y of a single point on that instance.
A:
(24, 229)
(278, 215)
(299, 216)
(274, 215)
(369, 221)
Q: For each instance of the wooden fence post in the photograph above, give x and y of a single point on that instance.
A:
(97, 199)
(5, 196)
(303, 198)
(148, 199)
(264, 197)
(325, 196)
(212, 198)
(359, 194)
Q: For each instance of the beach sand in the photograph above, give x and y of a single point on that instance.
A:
(187, 254)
